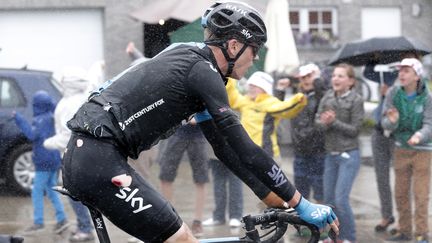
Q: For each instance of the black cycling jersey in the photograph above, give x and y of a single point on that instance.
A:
(149, 100)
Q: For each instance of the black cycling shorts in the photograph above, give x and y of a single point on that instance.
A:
(88, 166)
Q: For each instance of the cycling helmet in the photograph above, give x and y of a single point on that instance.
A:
(231, 19)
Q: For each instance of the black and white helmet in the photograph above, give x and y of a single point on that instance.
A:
(231, 19)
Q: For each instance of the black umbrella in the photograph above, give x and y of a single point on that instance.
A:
(378, 50)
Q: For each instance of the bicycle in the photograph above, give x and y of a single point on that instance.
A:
(275, 221)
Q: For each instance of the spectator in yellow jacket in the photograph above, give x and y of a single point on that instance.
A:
(260, 111)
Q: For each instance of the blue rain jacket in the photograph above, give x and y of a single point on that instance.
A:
(42, 127)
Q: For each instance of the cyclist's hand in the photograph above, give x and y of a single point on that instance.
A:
(274, 201)
(319, 215)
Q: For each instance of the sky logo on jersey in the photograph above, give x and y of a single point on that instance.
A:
(136, 202)
(277, 176)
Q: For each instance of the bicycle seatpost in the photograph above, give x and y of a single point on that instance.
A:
(99, 225)
(96, 216)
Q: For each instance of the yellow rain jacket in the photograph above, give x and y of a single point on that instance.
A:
(260, 117)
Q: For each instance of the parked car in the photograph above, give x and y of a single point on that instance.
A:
(17, 87)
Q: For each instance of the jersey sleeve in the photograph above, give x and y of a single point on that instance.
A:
(205, 82)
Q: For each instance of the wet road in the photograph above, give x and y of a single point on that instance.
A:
(16, 212)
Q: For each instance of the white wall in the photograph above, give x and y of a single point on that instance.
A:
(380, 22)
(50, 39)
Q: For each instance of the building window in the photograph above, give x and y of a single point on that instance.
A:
(314, 27)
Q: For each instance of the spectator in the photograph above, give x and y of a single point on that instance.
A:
(407, 114)
(187, 138)
(135, 54)
(340, 115)
(383, 144)
(74, 83)
(308, 140)
(382, 148)
(260, 114)
(223, 197)
(47, 162)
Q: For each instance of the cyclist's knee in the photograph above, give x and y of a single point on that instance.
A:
(183, 235)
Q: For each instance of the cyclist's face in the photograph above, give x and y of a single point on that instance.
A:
(245, 61)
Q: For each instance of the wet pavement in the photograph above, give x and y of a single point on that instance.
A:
(16, 212)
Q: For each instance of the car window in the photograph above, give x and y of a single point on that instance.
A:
(10, 94)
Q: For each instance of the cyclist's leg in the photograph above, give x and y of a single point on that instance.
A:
(183, 235)
(89, 166)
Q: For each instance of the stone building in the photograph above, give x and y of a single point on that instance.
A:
(50, 33)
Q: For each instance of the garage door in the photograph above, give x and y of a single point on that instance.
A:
(51, 39)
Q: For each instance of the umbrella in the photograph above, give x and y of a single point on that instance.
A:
(380, 50)
(282, 53)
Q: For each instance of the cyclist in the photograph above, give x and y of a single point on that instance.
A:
(147, 101)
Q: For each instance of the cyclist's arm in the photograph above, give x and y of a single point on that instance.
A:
(209, 87)
(227, 155)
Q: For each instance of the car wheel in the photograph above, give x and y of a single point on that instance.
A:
(21, 169)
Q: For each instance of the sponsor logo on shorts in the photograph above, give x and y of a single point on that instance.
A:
(128, 195)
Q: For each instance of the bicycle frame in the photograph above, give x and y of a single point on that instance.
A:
(279, 219)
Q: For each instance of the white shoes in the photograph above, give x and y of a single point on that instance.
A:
(212, 222)
(234, 223)
(134, 240)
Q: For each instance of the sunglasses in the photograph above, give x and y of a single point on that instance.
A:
(255, 49)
